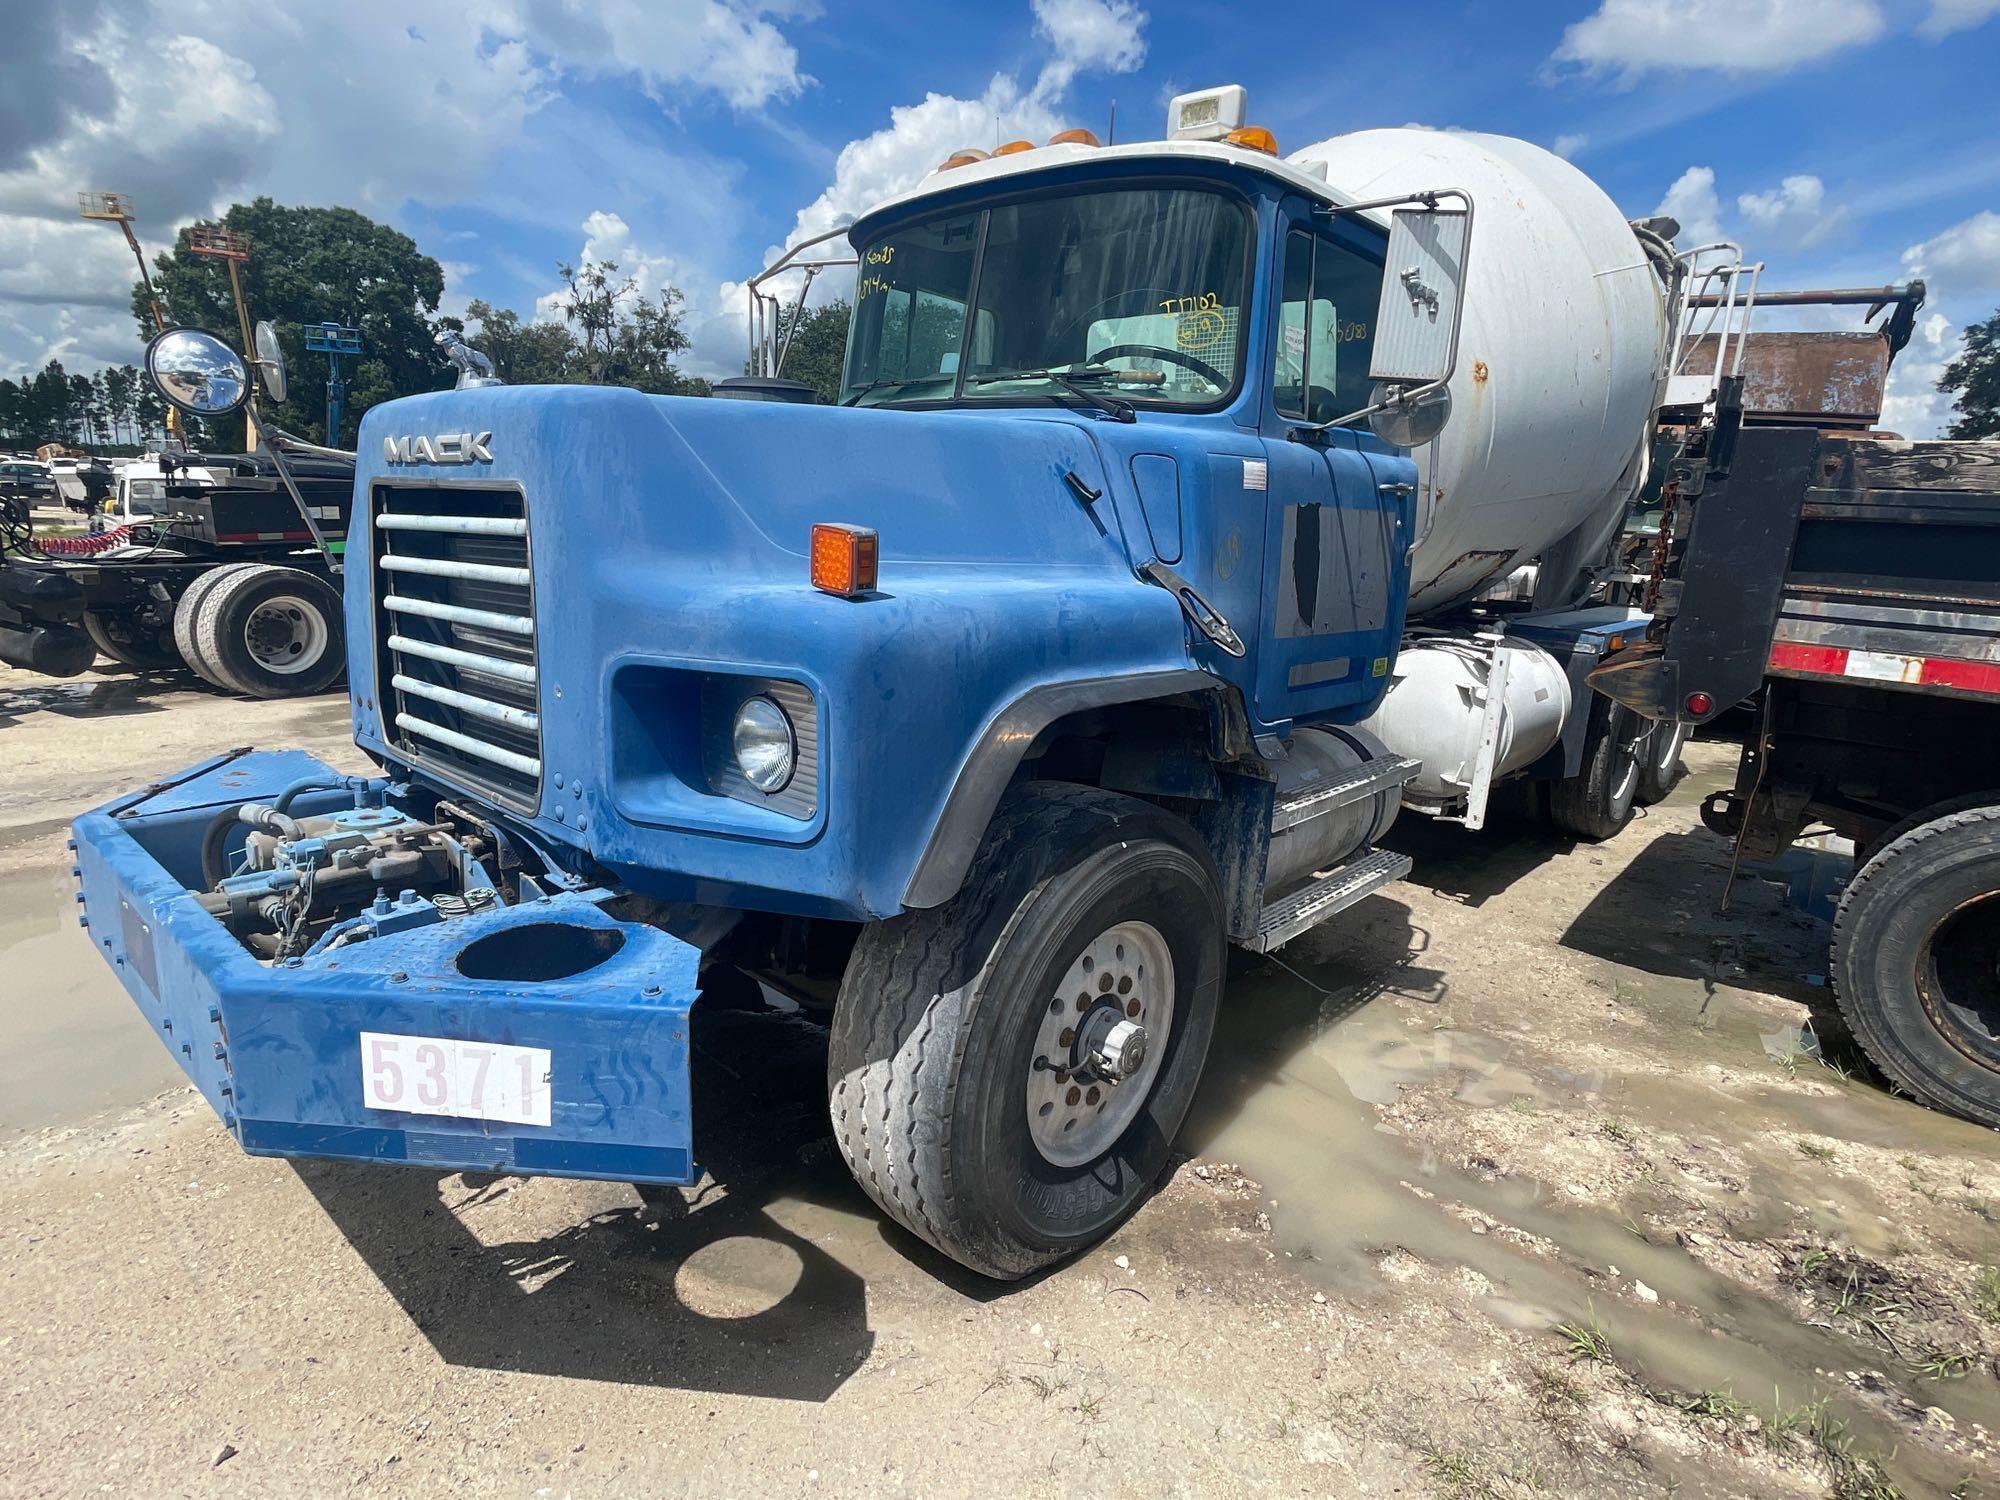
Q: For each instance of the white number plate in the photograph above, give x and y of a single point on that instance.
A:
(434, 1075)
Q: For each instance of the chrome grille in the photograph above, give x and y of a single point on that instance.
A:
(455, 633)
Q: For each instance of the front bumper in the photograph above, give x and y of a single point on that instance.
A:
(277, 1052)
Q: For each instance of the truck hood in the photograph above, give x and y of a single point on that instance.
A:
(668, 540)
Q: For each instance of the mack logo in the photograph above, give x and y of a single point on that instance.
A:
(442, 448)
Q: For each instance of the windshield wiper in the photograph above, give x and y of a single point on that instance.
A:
(1071, 381)
(875, 385)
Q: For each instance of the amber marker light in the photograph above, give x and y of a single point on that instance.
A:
(963, 158)
(1013, 146)
(1253, 138)
(844, 559)
(1077, 137)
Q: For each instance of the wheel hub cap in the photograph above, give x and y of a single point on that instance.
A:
(1099, 1043)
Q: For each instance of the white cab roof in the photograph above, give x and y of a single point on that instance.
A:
(998, 169)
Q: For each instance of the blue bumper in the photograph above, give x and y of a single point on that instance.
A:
(277, 1051)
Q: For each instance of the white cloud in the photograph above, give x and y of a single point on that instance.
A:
(608, 241)
(1568, 145)
(1948, 16)
(1913, 405)
(207, 102)
(1795, 213)
(1692, 201)
(1634, 37)
(668, 45)
(1100, 36)
(1965, 258)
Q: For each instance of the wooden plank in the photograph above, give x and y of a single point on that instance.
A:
(1915, 466)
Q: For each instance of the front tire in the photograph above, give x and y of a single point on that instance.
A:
(942, 1038)
(1916, 961)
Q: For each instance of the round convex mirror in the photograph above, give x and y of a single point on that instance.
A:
(271, 362)
(197, 372)
(1409, 423)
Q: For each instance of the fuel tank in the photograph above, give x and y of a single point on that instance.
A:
(1564, 338)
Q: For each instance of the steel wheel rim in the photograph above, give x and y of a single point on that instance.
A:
(285, 634)
(1074, 1117)
(1958, 979)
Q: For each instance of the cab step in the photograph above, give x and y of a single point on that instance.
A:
(1334, 892)
(1319, 797)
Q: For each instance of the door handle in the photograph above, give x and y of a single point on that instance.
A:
(1401, 491)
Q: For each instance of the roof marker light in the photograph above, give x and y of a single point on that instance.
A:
(1077, 137)
(962, 158)
(1013, 146)
(1253, 138)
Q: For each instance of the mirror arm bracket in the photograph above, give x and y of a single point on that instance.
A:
(264, 435)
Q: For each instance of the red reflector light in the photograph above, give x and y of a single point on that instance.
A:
(844, 559)
(1700, 704)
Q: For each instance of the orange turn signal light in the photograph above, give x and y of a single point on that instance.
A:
(1078, 137)
(844, 559)
(1012, 146)
(1253, 138)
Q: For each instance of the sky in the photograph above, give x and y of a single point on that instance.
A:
(1843, 142)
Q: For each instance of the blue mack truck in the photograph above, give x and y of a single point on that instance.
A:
(978, 713)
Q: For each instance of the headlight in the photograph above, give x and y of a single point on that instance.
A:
(766, 750)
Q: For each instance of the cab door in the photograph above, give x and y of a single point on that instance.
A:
(1335, 582)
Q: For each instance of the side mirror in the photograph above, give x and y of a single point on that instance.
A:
(1417, 320)
(271, 362)
(198, 373)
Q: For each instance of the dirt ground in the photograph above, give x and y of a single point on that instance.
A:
(1519, 1179)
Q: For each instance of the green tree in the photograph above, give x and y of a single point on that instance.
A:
(310, 266)
(621, 336)
(817, 352)
(1974, 378)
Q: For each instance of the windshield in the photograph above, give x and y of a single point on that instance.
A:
(1137, 293)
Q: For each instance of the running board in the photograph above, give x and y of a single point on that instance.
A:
(1312, 904)
(1319, 797)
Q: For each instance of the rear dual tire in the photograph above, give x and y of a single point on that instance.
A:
(127, 640)
(932, 1071)
(262, 631)
(1596, 803)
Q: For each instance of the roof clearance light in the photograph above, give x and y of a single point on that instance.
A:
(1012, 146)
(964, 158)
(1208, 115)
(1253, 138)
(844, 559)
(1078, 137)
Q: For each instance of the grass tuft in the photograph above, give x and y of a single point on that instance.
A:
(1586, 1340)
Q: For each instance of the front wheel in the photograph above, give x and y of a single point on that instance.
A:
(1916, 961)
(1007, 1071)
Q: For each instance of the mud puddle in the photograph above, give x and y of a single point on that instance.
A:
(71, 1044)
(1308, 1063)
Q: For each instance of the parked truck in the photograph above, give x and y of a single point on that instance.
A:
(978, 714)
(1848, 583)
